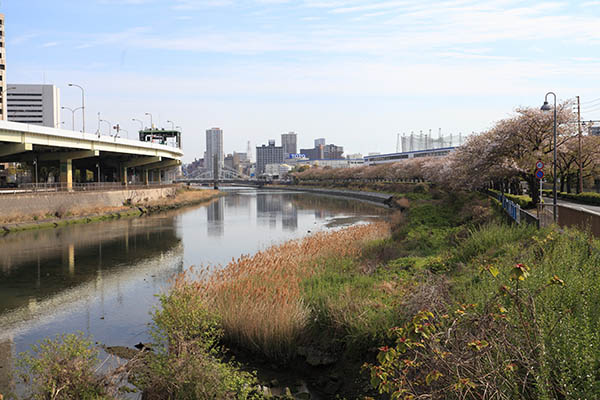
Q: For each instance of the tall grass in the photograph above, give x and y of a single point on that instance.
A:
(259, 298)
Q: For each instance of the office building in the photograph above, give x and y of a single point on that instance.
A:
(323, 152)
(288, 142)
(35, 104)
(214, 147)
(2, 71)
(332, 152)
(270, 154)
(319, 142)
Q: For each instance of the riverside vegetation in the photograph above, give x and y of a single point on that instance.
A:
(445, 300)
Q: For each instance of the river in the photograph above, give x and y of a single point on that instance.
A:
(102, 278)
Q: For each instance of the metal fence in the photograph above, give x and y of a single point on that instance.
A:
(512, 209)
(48, 188)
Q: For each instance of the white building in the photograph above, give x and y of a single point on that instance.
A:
(214, 146)
(278, 170)
(2, 71)
(34, 104)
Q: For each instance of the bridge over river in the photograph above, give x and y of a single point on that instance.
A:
(109, 158)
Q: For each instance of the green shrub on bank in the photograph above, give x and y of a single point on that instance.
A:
(524, 201)
(187, 361)
(354, 307)
(64, 368)
(524, 322)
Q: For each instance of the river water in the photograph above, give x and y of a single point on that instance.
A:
(102, 278)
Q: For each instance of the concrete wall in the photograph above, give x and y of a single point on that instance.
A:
(572, 217)
(12, 206)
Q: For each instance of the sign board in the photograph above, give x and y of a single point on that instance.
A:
(297, 155)
(539, 174)
(539, 164)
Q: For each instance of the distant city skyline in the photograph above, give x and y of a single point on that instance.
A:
(357, 72)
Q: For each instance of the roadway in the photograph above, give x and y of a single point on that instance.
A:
(108, 158)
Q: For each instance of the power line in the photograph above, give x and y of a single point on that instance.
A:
(590, 101)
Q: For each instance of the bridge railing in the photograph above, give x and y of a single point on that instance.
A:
(58, 187)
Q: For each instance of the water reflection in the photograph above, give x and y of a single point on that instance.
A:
(102, 278)
(215, 215)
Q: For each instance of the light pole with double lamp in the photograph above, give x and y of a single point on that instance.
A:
(72, 115)
(546, 107)
(82, 106)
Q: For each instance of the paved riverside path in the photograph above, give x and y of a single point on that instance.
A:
(577, 206)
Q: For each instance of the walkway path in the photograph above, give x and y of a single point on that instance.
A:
(577, 206)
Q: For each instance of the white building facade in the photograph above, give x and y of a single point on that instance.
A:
(214, 146)
(34, 104)
(2, 71)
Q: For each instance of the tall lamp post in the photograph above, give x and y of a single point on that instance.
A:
(36, 171)
(109, 126)
(172, 124)
(82, 106)
(151, 123)
(546, 107)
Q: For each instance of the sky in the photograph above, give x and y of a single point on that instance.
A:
(356, 72)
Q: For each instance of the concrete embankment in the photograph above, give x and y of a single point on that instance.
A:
(380, 198)
(36, 211)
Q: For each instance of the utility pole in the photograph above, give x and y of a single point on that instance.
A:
(579, 135)
(397, 143)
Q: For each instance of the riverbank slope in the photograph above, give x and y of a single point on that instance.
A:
(49, 211)
(443, 300)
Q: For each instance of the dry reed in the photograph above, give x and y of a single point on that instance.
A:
(259, 297)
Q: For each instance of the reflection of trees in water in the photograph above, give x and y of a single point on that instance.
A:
(270, 206)
(325, 206)
(36, 265)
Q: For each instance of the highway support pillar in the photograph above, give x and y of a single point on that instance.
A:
(145, 172)
(124, 175)
(66, 174)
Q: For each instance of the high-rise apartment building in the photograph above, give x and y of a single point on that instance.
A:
(35, 104)
(270, 154)
(288, 142)
(214, 146)
(2, 71)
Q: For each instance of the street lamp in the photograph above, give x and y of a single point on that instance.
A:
(82, 106)
(141, 123)
(72, 115)
(172, 124)
(546, 107)
(109, 126)
(36, 171)
(151, 123)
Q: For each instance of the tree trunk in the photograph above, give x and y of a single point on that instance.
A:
(534, 191)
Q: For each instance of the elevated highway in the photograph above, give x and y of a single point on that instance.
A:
(110, 159)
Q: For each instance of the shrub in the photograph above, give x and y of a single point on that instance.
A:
(524, 201)
(65, 368)
(187, 362)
